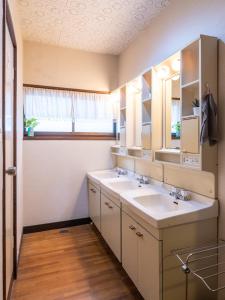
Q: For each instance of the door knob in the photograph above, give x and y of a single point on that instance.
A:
(11, 171)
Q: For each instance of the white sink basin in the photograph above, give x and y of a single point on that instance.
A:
(98, 176)
(162, 210)
(123, 185)
(160, 203)
(118, 186)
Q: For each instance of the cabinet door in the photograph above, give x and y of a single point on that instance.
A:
(111, 225)
(148, 265)
(129, 247)
(190, 135)
(94, 205)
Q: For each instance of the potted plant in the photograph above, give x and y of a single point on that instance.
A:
(30, 124)
(177, 129)
(196, 107)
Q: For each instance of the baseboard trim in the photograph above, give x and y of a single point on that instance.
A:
(55, 225)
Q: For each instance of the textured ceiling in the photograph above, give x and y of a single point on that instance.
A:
(104, 26)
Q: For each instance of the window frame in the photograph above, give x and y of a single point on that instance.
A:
(45, 135)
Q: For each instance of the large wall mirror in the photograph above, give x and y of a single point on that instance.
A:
(172, 112)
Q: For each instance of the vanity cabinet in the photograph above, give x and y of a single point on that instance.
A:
(111, 224)
(141, 258)
(94, 204)
(190, 135)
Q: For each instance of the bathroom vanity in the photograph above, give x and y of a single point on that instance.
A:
(143, 225)
(160, 127)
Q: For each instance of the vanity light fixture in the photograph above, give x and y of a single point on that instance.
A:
(176, 77)
(176, 64)
(134, 86)
(163, 72)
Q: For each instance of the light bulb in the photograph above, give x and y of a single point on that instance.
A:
(163, 72)
(176, 64)
(176, 77)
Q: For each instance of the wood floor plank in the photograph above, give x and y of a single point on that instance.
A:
(70, 264)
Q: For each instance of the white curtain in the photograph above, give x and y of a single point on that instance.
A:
(92, 106)
(47, 104)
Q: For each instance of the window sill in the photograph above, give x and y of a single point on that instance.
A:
(69, 136)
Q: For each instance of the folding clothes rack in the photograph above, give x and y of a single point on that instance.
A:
(206, 264)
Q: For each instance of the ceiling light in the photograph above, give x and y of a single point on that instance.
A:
(163, 72)
(176, 77)
(176, 65)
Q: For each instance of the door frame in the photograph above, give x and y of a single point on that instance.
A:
(7, 22)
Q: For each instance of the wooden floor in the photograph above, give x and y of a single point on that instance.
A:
(73, 263)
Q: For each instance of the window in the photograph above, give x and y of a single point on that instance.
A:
(72, 113)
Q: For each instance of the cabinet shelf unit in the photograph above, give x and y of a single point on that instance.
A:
(198, 71)
(146, 108)
(126, 118)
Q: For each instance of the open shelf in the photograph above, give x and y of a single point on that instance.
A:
(123, 97)
(168, 156)
(189, 94)
(189, 117)
(122, 118)
(146, 86)
(146, 123)
(190, 84)
(190, 63)
(146, 99)
(146, 136)
(146, 111)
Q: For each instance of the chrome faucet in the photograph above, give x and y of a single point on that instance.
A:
(121, 171)
(143, 179)
(180, 194)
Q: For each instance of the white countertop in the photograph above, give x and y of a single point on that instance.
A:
(152, 202)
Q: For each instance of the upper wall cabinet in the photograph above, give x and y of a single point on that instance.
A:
(182, 98)
(151, 137)
(126, 118)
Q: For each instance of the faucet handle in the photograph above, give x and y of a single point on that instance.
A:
(146, 180)
(185, 195)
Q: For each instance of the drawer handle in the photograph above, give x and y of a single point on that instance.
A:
(110, 206)
(93, 190)
(107, 203)
(132, 227)
(139, 234)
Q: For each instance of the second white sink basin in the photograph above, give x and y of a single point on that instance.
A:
(123, 185)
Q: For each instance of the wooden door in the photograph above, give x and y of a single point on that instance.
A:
(129, 247)
(110, 225)
(1, 161)
(94, 205)
(9, 154)
(149, 274)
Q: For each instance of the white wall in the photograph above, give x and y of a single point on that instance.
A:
(64, 67)
(54, 171)
(221, 150)
(180, 23)
(55, 187)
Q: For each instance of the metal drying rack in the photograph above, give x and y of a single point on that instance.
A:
(189, 258)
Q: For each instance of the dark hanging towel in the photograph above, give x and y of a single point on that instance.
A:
(209, 121)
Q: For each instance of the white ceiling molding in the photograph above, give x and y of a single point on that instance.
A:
(103, 26)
